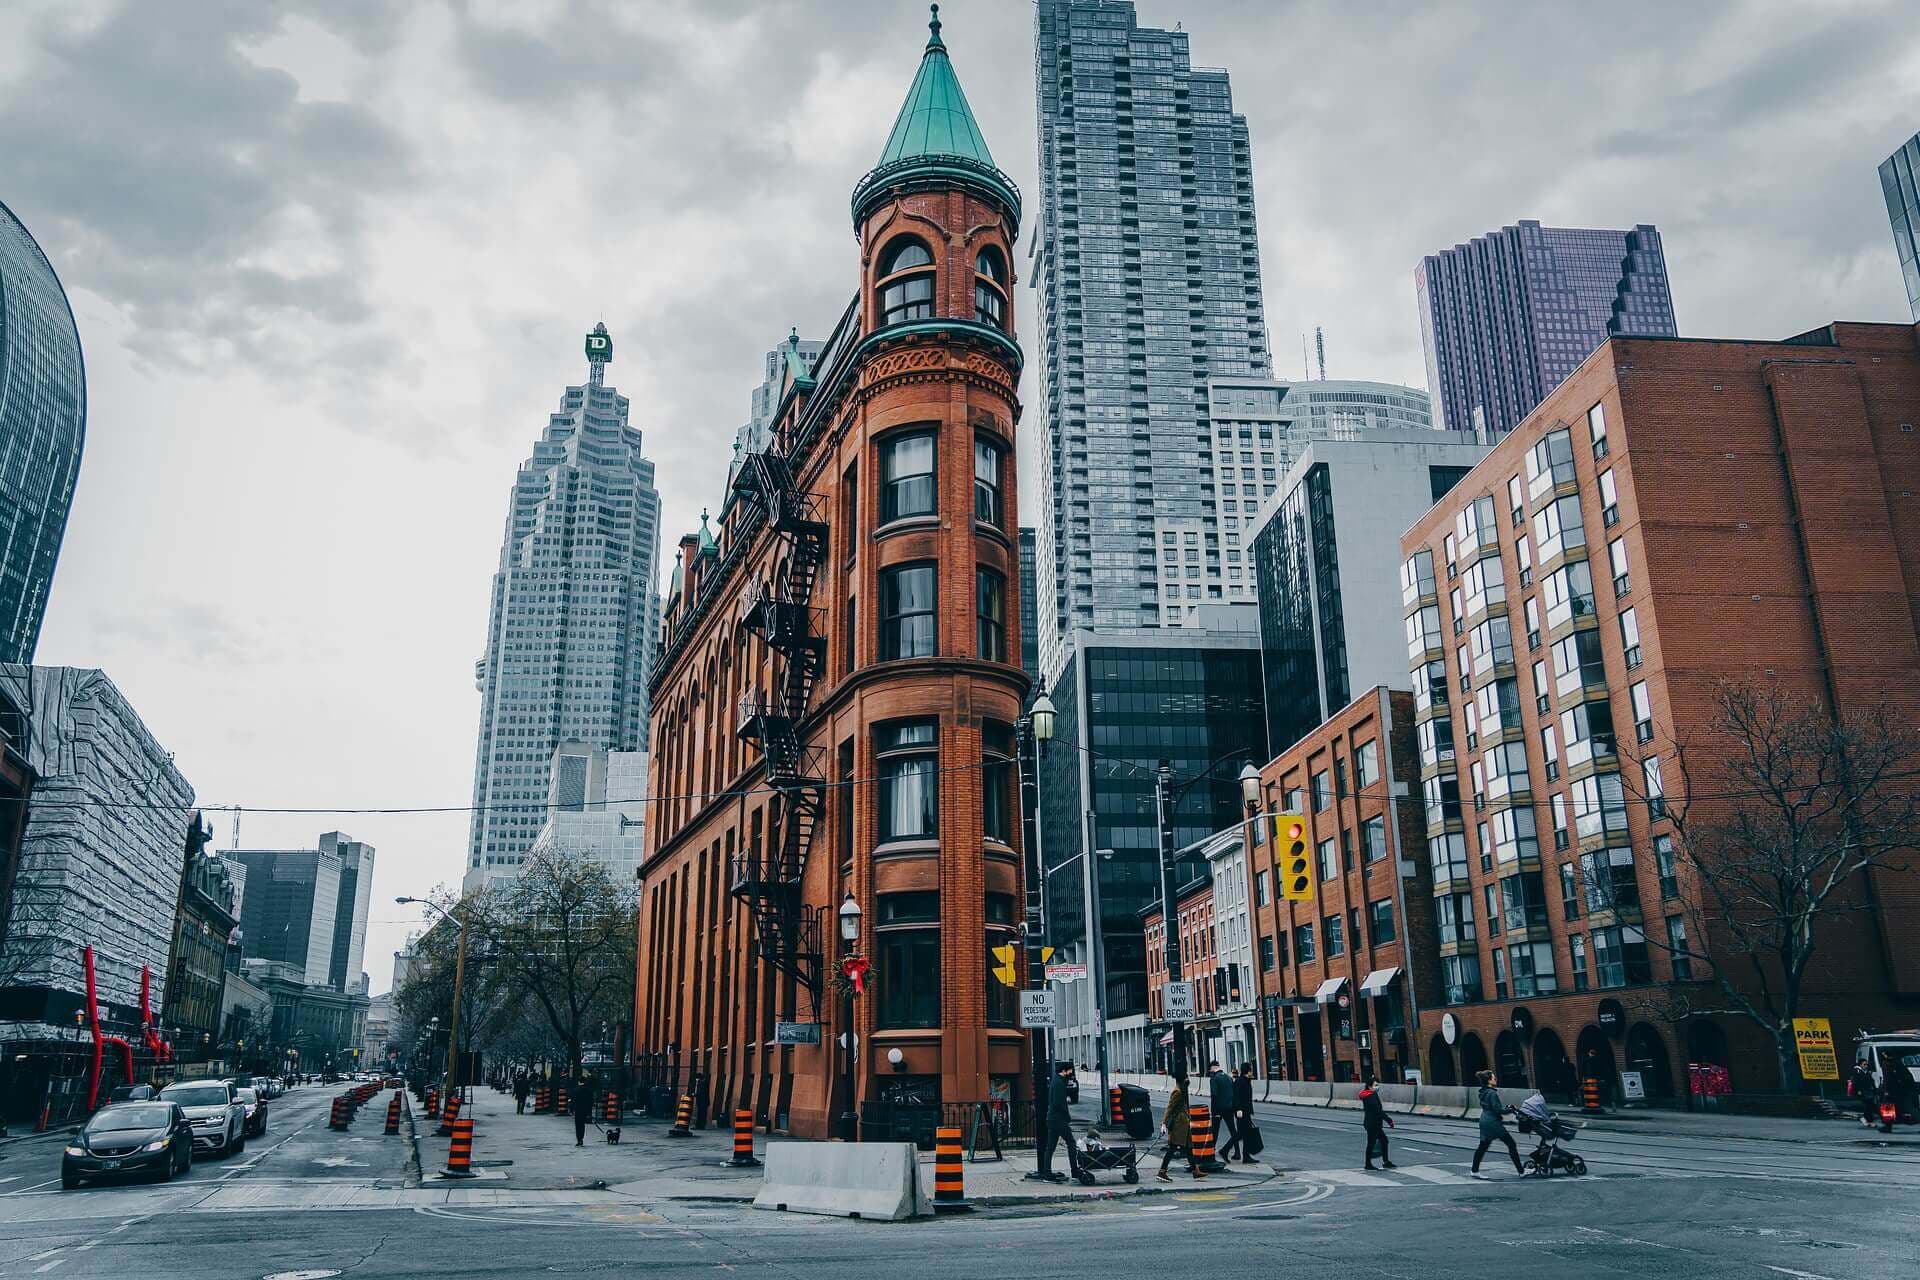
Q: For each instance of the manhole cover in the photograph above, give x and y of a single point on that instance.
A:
(316, 1273)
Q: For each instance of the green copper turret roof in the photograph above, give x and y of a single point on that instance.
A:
(935, 119)
(935, 141)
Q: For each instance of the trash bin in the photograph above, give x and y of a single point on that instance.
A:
(1136, 1112)
(660, 1101)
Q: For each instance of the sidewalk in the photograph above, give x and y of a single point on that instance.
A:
(529, 1153)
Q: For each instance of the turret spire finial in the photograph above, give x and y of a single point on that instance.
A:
(933, 25)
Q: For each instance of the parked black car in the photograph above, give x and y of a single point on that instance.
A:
(127, 1138)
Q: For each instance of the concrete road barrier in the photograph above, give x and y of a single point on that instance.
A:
(1444, 1100)
(870, 1180)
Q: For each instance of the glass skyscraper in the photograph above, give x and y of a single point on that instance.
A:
(1148, 273)
(575, 619)
(1900, 183)
(43, 424)
(1507, 316)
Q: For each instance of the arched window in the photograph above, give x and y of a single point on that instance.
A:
(990, 288)
(906, 282)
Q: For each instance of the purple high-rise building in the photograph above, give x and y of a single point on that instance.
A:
(1508, 315)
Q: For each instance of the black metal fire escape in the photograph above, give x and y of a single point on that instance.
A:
(779, 611)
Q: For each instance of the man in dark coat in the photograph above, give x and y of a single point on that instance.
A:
(1219, 1100)
(1240, 1119)
(1374, 1116)
(1060, 1123)
(522, 1086)
(580, 1102)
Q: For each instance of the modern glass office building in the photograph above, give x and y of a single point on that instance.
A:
(575, 620)
(1900, 183)
(1507, 316)
(43, 424)
(1148, 274)
(1324, 558)
(1124, 704)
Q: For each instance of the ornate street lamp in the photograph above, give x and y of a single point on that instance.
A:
(849, 1120)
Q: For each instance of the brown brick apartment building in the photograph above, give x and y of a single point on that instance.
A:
(835, 704)
(1676, 516)
(1343, 977)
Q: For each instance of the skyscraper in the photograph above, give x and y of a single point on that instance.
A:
(43, 424)
(291, 906)
(1507, 316)
(752, 436)
(1900, 183)
(575, 620)
(1148, 272)
(349, 946)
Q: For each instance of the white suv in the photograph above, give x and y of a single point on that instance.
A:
(219, 1120)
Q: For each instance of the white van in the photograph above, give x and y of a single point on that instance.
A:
(1882, 1054)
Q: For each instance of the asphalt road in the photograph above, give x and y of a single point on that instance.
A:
(1846, 1208)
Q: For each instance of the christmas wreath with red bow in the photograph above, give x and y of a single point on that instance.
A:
(850, 979)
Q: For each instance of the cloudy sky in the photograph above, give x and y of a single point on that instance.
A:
(332, 261)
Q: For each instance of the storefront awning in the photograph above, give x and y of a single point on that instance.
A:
(1378, 980)
(1328, 990)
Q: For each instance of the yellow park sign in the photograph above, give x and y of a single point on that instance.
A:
(1813, 1037)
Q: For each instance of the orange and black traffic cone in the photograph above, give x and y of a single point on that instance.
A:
(682, 1118)
(949, 1174)
(611, 1115)
(393, 1115)
(743, 1141)
(460, 1151)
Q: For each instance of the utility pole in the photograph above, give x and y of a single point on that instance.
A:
(453, 1033)
(1036, 728)
(1163, 810)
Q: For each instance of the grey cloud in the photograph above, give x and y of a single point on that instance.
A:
(166, 161)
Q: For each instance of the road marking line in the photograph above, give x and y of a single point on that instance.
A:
(1349, 1178)
(1797, 1275)
(48, 1266)
(46, 1253)
(1431, 1173)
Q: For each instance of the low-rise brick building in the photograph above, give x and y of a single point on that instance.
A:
(836, 700)
(1344, 975)
(1677, 516)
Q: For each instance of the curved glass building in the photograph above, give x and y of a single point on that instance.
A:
(43, 424)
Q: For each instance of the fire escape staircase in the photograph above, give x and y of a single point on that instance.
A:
(780, 613)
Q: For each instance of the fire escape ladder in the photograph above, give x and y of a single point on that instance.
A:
(780, 612)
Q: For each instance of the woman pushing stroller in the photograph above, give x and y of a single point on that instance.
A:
(1493, 1125)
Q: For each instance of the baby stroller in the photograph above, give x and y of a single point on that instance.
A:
(1097, 1157)
(1539, 1121)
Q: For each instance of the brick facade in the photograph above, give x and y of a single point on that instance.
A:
(708, 998)
(1695, 513)
(1351, 780)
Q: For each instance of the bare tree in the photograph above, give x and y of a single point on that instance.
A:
(561, 938)
(1783, 811)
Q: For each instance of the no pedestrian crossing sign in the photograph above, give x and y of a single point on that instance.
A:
(1036, 1008)
(1813, 1037)
(1178, 997)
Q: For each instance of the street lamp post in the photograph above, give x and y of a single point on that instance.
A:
(848, 1122)
(459, 979)
(1036, 730)
(1165, 797)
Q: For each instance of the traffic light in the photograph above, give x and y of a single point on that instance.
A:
(1296, 868)
(1003, 968)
